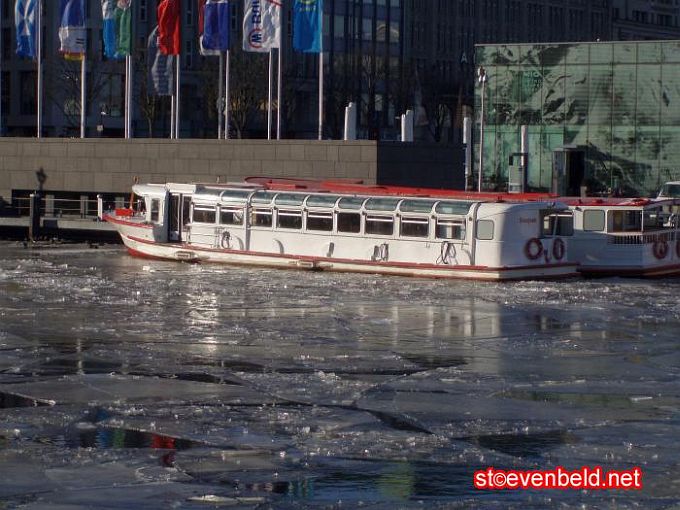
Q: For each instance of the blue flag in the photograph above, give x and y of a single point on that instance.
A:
(116, 28)
(24, 19)
(72, 32)
(160, 68)
(307, 25)
(214, 26)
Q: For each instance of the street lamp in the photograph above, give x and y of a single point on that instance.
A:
(482, 79)
(103, 112)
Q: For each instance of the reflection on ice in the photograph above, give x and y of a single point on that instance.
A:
(187, 385)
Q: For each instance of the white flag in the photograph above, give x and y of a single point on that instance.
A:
(261, 25)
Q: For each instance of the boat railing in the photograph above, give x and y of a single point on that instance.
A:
(646, 238)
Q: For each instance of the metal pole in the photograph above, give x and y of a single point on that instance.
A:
(271, 90)
(128, 96)
(227, 98)
(83, 107)
(40, 77)
(321, 95)
(172, 116)
(127, 135)
(220, 96)
(177, 101)
(279, 80)
(482, 80)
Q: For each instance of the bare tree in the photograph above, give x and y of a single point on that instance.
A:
(65, 94)
(248, 89)
(149, 104)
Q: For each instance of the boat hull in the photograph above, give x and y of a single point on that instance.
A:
(146, 248)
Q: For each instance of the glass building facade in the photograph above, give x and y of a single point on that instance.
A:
(613, 108)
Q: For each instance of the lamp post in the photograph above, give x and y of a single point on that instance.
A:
(482, 79)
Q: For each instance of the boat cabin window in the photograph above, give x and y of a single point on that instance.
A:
(235, 195)
(155, 209)
(349, 222)
(231, 215)
(417, 206)
(625, 221)
(382, 204)
(321, 201)
(351, 203)
(320, 221)
(289, 199)
(289, 219)
(261, 218)
(450, 229)
(485, 230)
(415, 227)
(558, 223)
(262, 197)
(204, 214)
(458, 208)
(379, 225)
(593, 220)
(653, 219)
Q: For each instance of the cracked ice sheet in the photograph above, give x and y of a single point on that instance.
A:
(87, 389)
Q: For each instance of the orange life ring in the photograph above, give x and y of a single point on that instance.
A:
(558, 249)
(533, 249)
(660, 249)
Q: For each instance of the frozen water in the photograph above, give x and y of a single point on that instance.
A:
(127, 383)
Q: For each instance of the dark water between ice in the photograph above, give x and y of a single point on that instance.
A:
(134, 384)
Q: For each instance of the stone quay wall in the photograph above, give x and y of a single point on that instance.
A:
(109, 165)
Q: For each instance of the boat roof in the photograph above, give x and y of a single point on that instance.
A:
(355, 186)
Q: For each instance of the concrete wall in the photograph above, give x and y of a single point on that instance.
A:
(110, 165)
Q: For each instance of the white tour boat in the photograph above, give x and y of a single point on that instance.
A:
(625, 236)
(345, 226)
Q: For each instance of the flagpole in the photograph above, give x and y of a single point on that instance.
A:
(271, 90)
(83, 76)
(173, 103)
(227, 97)
(220, 96)
(131, 77)
(321, 95)
(128, 89)
(172, 116)
(278, 98)
(177, 101)
(40, 80)
(126, 97)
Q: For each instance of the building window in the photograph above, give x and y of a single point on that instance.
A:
(142, 10)
(28, 92)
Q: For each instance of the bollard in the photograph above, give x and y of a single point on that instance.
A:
(34, 216)
(100, 208)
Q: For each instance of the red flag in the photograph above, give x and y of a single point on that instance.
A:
(168, 27)
(201, 10)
